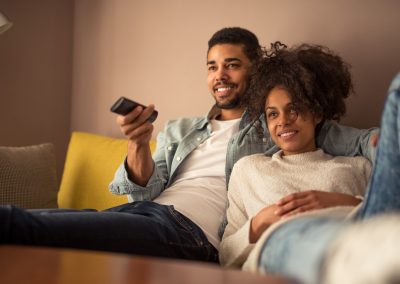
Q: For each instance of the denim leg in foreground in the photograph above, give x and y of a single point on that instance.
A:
(383, 194)
(144, 228)
(296, 249)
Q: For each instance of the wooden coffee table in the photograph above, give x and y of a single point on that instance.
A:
(35, 265)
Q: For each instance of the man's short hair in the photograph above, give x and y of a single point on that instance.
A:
(239, 36)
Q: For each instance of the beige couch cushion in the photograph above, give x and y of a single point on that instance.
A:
(28, 176)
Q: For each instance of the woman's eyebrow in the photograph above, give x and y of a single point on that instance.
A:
(287, 106)
(271, 107)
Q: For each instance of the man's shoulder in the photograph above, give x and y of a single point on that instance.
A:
(185, 120)
(185, 123)
(180, 127)
(334, 129)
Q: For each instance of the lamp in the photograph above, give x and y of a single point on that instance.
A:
(5, 24)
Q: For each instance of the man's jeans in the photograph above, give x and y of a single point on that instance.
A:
(143, 227)
(297, 248)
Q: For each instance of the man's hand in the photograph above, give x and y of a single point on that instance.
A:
(312, 200)
(374, 140)
(135, 125)
(265, 218)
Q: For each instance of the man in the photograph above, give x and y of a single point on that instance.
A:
(190, 158)
(186, 179)
(190, 161)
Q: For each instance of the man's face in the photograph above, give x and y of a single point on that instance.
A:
(228, 69)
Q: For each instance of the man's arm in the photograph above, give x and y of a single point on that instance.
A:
(339, 140)
(139, 163)
(136, 127)
(137, 175)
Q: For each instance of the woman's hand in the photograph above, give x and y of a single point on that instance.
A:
(297, 203)
(265, 218)
(311, 200)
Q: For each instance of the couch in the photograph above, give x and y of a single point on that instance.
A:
(28, 175)
(28, 179)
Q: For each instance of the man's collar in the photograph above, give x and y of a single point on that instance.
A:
(216, 111)
(213, 113)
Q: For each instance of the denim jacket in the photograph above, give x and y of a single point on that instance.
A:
(180, 137)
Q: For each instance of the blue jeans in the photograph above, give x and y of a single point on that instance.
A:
(297, 248)
(143, 227)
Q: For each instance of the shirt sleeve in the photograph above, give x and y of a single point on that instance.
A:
(156, 184)
(235, 245)
(339, 140)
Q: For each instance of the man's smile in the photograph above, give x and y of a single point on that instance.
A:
(223, 89)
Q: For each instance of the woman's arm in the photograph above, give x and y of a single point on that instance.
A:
(311, 200)
(235, 245)
(242, 231)
(259, 223)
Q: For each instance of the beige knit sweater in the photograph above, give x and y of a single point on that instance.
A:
(258, 181)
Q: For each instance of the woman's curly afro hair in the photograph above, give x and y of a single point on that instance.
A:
(317, 80)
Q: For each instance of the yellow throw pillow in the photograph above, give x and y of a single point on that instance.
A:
(89, 168)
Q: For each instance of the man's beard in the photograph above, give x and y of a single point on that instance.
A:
(230, 105)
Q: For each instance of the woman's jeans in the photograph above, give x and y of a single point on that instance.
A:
(297, 248)
(144, 228)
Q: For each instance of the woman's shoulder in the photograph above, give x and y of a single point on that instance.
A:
(353, 160)
(358, 164)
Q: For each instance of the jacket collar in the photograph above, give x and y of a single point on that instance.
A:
(214, 112)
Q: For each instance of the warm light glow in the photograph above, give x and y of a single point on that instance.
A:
(5, 24)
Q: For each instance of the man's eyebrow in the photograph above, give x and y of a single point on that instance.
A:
(229, 59)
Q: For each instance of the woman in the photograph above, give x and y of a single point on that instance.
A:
(297, 89)
(364, 249)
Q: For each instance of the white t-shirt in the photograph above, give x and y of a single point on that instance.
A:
(199, 190)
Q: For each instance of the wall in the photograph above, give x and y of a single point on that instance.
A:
(36, 74)
(155, 51)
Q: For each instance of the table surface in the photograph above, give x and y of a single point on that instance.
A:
(23, 264)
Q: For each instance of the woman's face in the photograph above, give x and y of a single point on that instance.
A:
(293, 132)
